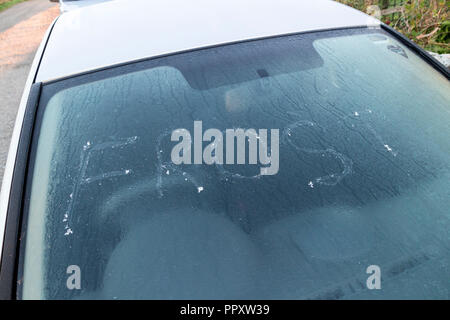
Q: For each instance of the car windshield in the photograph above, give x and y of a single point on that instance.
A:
(348, 196)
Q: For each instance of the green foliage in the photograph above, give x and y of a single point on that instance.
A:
(5, 4)
(426, 22)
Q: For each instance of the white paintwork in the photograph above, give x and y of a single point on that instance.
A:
(10, 162)
(66, 6)
(123, 30)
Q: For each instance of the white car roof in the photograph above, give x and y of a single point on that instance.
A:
(70, 5)
(120, 31)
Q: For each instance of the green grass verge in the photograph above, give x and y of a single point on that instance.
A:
(9, 3)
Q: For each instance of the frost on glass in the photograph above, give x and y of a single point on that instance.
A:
(363, 178)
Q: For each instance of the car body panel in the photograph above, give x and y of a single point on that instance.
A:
(11, 160)
(171, 26)
(66, 6)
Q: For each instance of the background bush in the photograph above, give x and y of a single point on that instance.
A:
(426, 22)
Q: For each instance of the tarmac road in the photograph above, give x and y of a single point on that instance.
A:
(21, 30)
